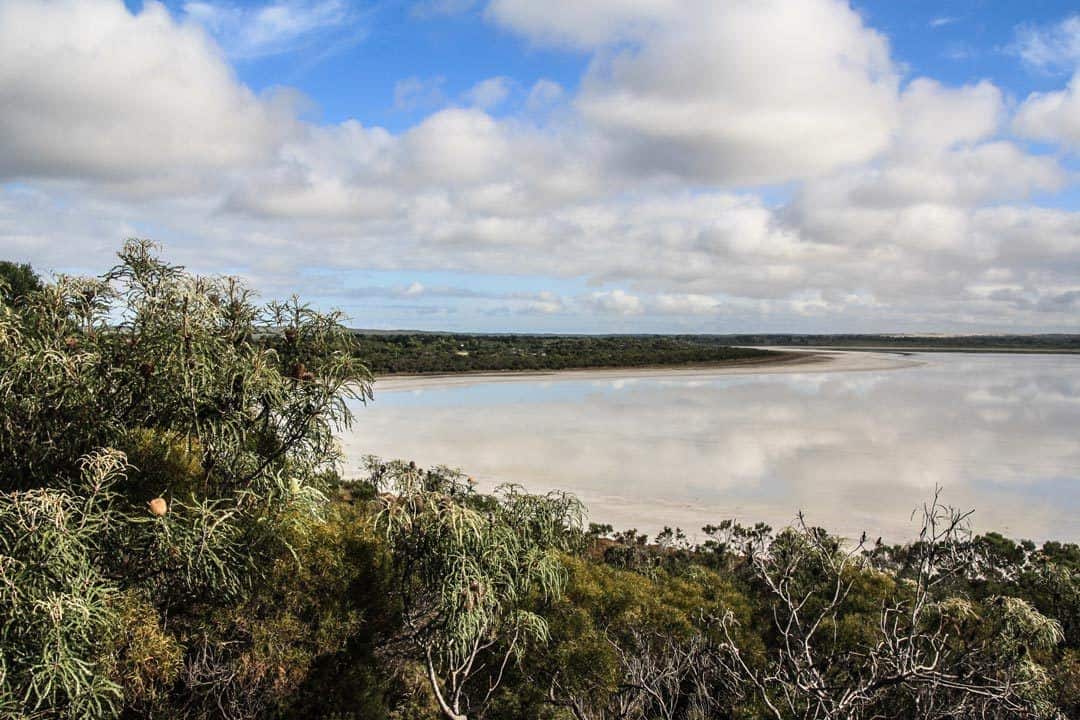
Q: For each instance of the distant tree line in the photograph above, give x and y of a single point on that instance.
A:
(176, 542)
(439, 353)
(1053, 342)
(388, 353)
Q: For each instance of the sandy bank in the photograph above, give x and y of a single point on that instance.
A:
(793, 361)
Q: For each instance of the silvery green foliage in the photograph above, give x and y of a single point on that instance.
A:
(86, 360)
(55, 604)
(232, 408)
(468, 565)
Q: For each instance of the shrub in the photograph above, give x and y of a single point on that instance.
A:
(114, 587)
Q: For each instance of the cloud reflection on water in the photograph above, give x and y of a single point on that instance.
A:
(854, 450)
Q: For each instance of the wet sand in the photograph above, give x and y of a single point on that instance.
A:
(793, 361)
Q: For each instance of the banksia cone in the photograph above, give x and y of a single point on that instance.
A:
(158, 506)
(300, 372)
(146, 370)
(290, 334)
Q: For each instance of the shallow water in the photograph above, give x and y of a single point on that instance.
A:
(854, 450)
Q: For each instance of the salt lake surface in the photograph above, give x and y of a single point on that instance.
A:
(856, 443)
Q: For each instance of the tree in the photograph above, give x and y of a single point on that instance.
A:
(17, 280)
(468, 567)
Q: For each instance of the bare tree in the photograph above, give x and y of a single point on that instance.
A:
(933, 656)
(663, 675)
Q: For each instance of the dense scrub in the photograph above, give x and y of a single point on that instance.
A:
(175, 543)
(435, 353)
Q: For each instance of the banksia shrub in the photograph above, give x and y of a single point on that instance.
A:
(57, 609)
(197, 439)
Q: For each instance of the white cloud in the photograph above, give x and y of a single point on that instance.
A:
(740, 93)
(456, 146)
(273, 28)
(935, 117)
(943, 20)
(930, 227)
(687, 304)
(1054, 47)
(543, 94)
(88, 90)
(542, 303)
(733, 92)
(489, 94)
(968, 176)
(584, 23)
(1052, 116)
(617, 302)
(416, 93)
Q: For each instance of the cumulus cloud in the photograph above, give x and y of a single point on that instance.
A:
(584, 24)
(907, 208)
(541, 303)
(734, 92)
(616, 301)
(936, 117)
(1052, 116)
(160, 101)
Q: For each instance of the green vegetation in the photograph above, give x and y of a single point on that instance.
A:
(438, 353)
(409, 353)
(175, 543)
(16, 281)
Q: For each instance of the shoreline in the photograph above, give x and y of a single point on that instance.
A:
(780, 356)
(927, 349)
(790, 361)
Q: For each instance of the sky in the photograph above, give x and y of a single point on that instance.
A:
(705, 166)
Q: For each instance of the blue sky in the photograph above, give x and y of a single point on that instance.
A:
(606, 166)
(955, 42)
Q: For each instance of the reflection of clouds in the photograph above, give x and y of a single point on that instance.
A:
(854, 450)
(995, 415)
